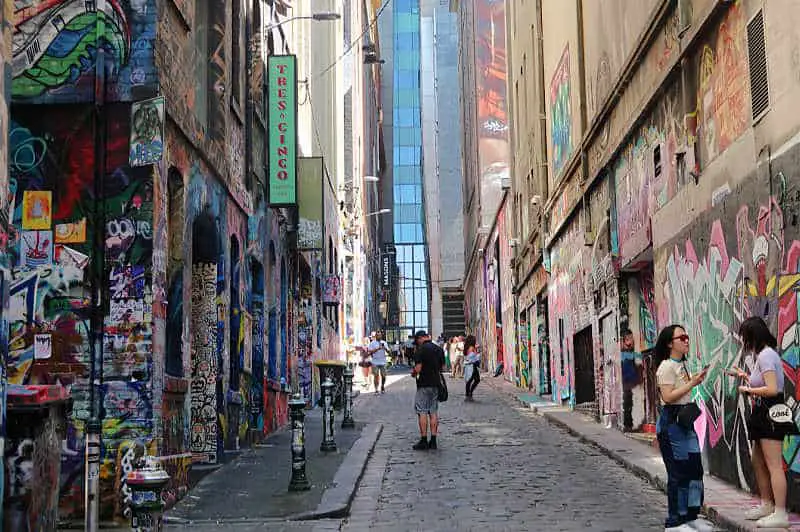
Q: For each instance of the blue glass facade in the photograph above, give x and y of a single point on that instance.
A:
(408, 208)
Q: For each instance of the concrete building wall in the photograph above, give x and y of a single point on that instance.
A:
(676, 202)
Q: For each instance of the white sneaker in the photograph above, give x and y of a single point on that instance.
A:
(763, 510)
(702, 525)
(679, 528)
(777, 519)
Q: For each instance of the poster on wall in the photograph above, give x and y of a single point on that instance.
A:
(282, 129)
(331, 289)
(37, 248)
(310, 180)
(147, 132)
(37, 209)
(247, 341)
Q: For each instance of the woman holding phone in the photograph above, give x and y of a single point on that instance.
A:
(768, 423)
(677, 439)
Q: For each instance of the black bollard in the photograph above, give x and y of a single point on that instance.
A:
(299, 481)
(328, 444)
(347, 420)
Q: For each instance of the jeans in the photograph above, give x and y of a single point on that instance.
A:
(680, 450)
(473, 381)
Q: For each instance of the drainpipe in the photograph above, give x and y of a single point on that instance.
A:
(98, 295)
(541, 155)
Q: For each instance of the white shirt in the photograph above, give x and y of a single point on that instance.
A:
(379, 356)
(673, 372)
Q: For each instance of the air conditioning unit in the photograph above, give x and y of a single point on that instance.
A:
(505, 183)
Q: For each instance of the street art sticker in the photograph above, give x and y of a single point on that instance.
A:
(127, 312)
(37, 248)
(147, 132)
(70, 258)
(37, 209)
(71, 232)
(42, 346)
(331, 289)
(127, 282)
(561, 113)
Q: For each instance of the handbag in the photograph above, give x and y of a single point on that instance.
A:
(442, 389)
(687, 415)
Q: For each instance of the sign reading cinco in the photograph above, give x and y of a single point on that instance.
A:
(282, 130)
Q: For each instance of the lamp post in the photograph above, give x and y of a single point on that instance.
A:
(299, 482)
(347, 419)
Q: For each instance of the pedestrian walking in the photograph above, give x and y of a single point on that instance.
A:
(677, 439)
(429, 360)
(366, 361)
(379, 351)
(457, 356)
(769, 423)
(472, 366)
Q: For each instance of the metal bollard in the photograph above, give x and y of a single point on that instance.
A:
(328, 444)
(347, 420)
(147, 508)
(299, 481)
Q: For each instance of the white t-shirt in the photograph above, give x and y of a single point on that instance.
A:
(673, 372)
(379, 356)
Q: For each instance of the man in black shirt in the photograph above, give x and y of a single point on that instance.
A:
(429, 361)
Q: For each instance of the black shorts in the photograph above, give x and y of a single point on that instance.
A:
(761, 427)
(364, 364)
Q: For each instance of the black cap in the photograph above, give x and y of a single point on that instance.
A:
(419, 334)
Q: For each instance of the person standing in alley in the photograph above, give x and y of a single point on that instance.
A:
(631, 366)
(366, 360)
(429, 359)
(677, 439)
(378, 350)
(472, 366)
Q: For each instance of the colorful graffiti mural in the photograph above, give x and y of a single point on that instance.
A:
(56, 45)
(561, 113)
(710, 280)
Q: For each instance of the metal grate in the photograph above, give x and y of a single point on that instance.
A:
(757, 55)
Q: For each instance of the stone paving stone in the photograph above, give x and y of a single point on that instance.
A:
(498, 467)
(724, 503)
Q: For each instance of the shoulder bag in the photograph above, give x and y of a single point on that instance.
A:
(442, 388)
(688, 413)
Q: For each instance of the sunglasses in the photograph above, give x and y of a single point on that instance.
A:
(682, 337)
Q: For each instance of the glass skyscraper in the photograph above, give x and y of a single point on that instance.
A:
(408, 211)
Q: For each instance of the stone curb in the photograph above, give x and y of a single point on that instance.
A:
(338, 497)
(711, 512)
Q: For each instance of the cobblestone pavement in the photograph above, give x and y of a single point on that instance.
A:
(498, 468)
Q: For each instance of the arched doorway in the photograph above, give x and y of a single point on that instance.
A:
(234, 403)
(257, 385)
(203, 396)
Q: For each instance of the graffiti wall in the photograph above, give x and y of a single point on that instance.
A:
(646, 174)
(49, 251)
(569, 305)
(56, 45)
(740, 259)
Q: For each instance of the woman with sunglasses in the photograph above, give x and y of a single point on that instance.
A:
(677, 439)
(765, 388)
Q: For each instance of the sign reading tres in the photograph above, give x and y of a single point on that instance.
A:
(282, 129)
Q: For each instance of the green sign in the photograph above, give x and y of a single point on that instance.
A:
(282, 79)
(310, 178)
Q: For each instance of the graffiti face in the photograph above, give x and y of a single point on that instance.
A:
(120, 234)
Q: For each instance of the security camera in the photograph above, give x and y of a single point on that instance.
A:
(535, 200)
(513, 242)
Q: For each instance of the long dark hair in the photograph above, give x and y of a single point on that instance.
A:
(756, 335)
(469, 342)
(662, 348)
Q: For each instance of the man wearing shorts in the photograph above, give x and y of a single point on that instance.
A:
(377, 349)
(429, 364)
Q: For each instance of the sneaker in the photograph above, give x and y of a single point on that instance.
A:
(432, 443)
(763, 510)
(702, 525)
(777, 519)
(421, 445)
(679, 528)
(383, 392)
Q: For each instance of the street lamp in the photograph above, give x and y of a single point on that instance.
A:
(371, 179)
(321, 16)
(382, 211)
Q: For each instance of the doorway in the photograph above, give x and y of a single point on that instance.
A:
(584, 367)
(543, 346)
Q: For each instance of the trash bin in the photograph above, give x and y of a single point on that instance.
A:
(35, 428)
(333, 370)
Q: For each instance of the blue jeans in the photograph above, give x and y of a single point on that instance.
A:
(680, 450)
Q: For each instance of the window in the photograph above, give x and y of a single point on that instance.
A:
(201, 62)
(237, 52)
